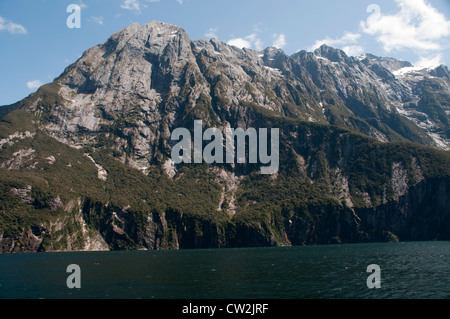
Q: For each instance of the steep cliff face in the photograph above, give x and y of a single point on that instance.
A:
(408, 218)
(64, 233)
(85, 161)
(147, 80)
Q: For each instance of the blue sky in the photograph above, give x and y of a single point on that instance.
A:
(36, 44)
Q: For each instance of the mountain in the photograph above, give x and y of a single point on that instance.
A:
(85, 161)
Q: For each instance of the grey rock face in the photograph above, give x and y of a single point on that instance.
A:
(122, 99)
(146, 80)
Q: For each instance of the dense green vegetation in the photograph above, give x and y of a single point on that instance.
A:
(53, 189)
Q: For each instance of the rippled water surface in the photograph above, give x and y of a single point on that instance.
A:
(408, 270)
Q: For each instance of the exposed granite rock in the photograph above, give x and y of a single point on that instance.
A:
(123, 98)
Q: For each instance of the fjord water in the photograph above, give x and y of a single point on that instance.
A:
(408, 270)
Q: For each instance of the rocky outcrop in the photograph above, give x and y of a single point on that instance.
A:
(349, 171)
(68, 233)
(421, 214)
(143, 82)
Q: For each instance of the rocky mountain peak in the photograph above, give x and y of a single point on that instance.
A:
(340, 179)
(332, 54)
(441, 72)
(154, 77)
(152, 30)
(390, 64)
(127, 52)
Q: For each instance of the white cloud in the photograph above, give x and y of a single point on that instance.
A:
(348, 43)
(82, 5)
(350, 37)
(135, 5)
(345, 40)
(152, 1)
(258, 27)
(429, 62)
(132, 5)
(180, 1)
(353, 50)
(98, 20)
(12, 27)
(280, 41)
(417, 26)
(240, 43)
(211, 33)
(33, 85)
(251, 42)
(256, 42)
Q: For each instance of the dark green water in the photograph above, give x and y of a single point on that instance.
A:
(408, 270)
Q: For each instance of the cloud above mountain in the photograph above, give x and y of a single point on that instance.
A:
(251, 41)
(32, 85)
(280, 41)
(135, 5)
(417, 26)
(11, 27)
(348, 43)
